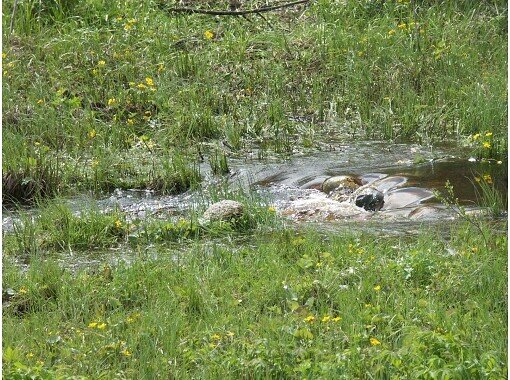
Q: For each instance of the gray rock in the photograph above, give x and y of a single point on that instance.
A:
(225, 210)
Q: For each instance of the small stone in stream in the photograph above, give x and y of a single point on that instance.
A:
(370, 199)
(225, 210)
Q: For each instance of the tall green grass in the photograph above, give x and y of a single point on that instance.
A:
(90, 79)
(290, 304)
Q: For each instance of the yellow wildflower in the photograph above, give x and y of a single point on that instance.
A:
(230, 333)
(377, 288)
(336, 319)
(149, 81)
(271, 209)
(30, 355)
(476, 136)
(208, 34)
(94, 72)
(130, 121)
(374, 341)
(94, 164)
(101, 63)
(487, 178)
(141, 86)
(215, 337)
(488, 134)
(132, 84)
(486, 144)
(391, 32)
(126, 352)
(118, 223)
(128, 26)
(101, 326)
(309, 319)
(402, 26)
(92, 325)
(40, 101)
(23, 290)
(326, 319)
(4, 55)
(112, 101)
(92, 133)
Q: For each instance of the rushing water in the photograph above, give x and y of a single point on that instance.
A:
(406, 174)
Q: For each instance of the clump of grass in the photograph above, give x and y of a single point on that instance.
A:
(58, 228)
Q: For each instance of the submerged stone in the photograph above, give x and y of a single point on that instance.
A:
(225, 210)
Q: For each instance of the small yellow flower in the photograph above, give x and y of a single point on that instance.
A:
(149, 81)
(208, 34)
(94, 164)
(128, 27)
(309, 319)
(487, 178)
(215, 337)
(101, 326)
(118, 224)
(40, 101)
(377, 288)
(126, 352)
(92, 133)
(23, 290)
(230, 333)
(4, 55)
(92, 325)
(94, 72)
(476, 136)
(374, 341)
(30, 355)
(161, 67)
(112, 101)
(130, 121)
(488, 134)
(326, 319)
(477, 179)
(101, 63)
(132, 84)
(402, 26)
(271, 209)
(336, 319)
(391, 32)
(486, 144)
(141, 86)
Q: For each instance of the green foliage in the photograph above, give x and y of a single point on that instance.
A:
(347, 307)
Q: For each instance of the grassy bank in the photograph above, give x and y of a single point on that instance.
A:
(290, 304)
(99, 95)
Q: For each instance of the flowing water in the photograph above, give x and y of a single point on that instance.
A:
(406, 174)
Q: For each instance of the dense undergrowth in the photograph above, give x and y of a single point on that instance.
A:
(289, 304)
(99, 95)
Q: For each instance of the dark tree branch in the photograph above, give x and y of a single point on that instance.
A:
(235, 13)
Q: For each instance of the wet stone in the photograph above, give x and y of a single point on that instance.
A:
(339, 188)
(225, 210)
(370, 199)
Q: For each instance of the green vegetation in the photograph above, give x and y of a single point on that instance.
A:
(99, 95)
(291, 304)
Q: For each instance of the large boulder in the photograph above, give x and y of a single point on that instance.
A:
(225, 210)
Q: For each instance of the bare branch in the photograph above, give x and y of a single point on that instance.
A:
(236, 13)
